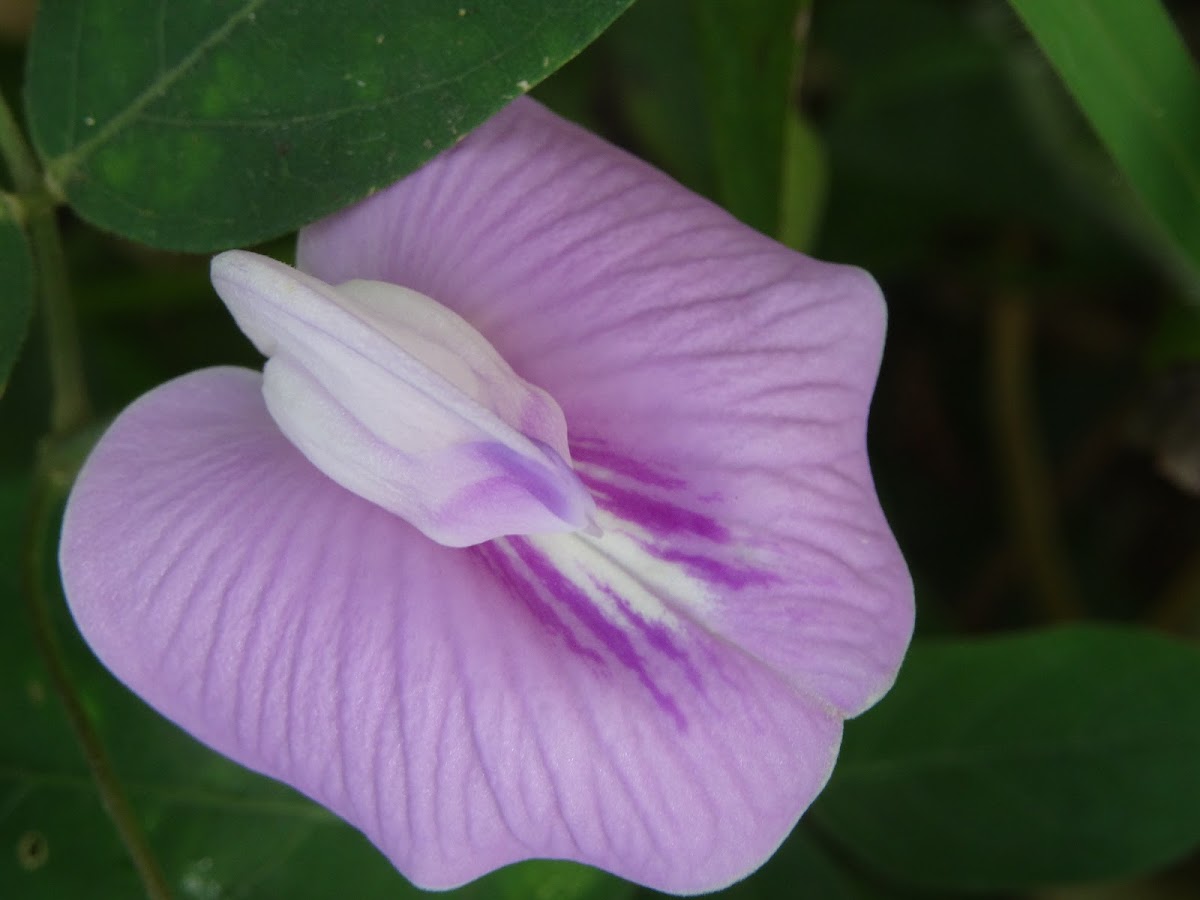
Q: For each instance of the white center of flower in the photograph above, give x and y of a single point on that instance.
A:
(619, 570)
(399, 400)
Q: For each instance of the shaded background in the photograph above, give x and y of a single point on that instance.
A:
(1035, 435)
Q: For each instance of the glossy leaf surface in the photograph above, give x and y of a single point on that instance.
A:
(1132, 74)
(1062, 755)
(200, 126)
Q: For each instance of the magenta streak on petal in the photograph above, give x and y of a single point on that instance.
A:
(664, 517)
(594, 453)
(713, 570)
(568, 612)
(613, 637)
(658, 637)
(657, 516)
(518, 585)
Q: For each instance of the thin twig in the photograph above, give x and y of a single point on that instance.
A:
(1026, 475)
(46, 496)
(70, 408)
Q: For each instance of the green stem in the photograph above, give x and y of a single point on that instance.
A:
(70, 410)
(46, 496)
(70, 404)
(21, 164)
(1026, 475)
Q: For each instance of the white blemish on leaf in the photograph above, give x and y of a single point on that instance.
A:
(36, 691)
(33, 851)
(198, 881)
(89, 121)
(524, 85)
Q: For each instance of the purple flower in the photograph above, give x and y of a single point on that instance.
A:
(618, 617)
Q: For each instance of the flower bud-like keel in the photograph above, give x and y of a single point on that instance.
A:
(401, 401)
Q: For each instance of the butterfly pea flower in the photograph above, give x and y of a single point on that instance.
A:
(547, 531)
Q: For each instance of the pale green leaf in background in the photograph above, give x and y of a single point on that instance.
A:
(749, 55)
(1131, 73)
(708, 88)
(805, 183)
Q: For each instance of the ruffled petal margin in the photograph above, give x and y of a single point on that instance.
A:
(685, 350)
(462, 707)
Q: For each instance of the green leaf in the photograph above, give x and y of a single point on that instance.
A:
(1063, 755)
(16, 291)
(217, 830)
(1131, 73)
(656, 75)
(706, 86)
(198, 126)
(805, 184)
(749, 54)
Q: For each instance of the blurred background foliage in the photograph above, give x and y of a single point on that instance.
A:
(1035, 438)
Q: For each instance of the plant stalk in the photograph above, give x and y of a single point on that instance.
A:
(1026, 475)
(69, 412)
(70, 409)
(46, 496)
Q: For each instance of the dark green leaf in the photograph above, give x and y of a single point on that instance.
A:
(205, 125)
(706, 86)
(1130, 71)
(923, 132)
(657, 77)
(1058, 756)
(16, 291)
(802, 860)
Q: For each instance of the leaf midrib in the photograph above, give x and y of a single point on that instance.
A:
(61, 168)
(1139, 89)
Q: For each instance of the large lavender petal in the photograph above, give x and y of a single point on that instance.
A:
(463, 707)
(704, 371)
